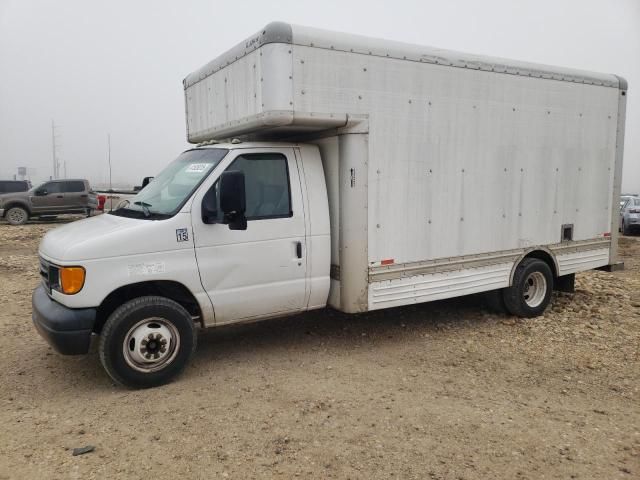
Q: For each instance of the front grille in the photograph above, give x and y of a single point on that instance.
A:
(49, 274)
(44, 273)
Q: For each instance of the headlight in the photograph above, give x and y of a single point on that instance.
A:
(70, 279)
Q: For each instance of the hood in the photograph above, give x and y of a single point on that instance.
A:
(107, 235)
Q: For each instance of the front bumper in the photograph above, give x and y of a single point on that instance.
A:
(67, 330)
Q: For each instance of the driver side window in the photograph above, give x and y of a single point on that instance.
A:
(51, 187)
(267, 187)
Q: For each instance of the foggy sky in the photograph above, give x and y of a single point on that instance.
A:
(117, 66)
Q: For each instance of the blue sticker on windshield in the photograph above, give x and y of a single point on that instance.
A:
(182, 235)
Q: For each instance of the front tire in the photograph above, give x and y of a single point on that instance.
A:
(625, 230)
(530, 293)
(17, 216)
(147, 342)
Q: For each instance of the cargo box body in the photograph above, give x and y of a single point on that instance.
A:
(442, 169)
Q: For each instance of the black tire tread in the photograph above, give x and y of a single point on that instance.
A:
(512, 296)
(6, 215)
(625, 229)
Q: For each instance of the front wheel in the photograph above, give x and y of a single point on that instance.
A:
(17, 216)
(625, 229)
(147, 342)
(530, 293)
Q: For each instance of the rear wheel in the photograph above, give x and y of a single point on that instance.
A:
(530, 293)
(17, 216)
(147, 342)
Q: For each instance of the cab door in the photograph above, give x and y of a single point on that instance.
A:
(49, 197)
(260, 271)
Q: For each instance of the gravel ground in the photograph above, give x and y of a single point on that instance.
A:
(445, 390)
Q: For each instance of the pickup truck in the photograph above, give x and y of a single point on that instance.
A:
(113, 199)
(52, 198)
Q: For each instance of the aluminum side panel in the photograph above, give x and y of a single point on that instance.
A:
(581, 261)
(437, 286)
(465, 161)
(240, 93)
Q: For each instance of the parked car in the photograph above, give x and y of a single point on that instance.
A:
(12, 186)
(630, 216)
(624, 198)
(52, 198)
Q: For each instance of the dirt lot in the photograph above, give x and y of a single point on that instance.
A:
(444, 390)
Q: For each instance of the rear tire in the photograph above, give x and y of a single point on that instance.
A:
(147, 342)
(530, 293)
(17, 216)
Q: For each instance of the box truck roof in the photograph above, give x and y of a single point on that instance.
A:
(280, 32)
(289, 80)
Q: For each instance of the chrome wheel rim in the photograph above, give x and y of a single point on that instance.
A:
(151, 345)
(535, 289)
(16, 215)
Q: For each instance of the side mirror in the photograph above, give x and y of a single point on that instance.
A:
(233, 200)
(41, 192)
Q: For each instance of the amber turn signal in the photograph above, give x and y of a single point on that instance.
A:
(71, 279)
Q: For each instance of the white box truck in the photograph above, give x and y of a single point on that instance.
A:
(343, 171)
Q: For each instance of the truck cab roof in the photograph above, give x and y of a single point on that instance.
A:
(247, 145)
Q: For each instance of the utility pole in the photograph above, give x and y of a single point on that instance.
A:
(56, 162)
(109, 158)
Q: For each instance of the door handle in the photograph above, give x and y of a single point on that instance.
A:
(59, 196)
(83, 196)
(299, 249)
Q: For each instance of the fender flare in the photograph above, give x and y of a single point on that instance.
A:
(16, 203)
(546, 255)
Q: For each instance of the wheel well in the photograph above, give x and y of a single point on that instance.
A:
(16, 204)
(546, 258)
(165, 288)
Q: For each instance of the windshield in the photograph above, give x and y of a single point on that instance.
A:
(171, 188)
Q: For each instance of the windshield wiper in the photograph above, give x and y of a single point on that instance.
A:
(145, 207)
